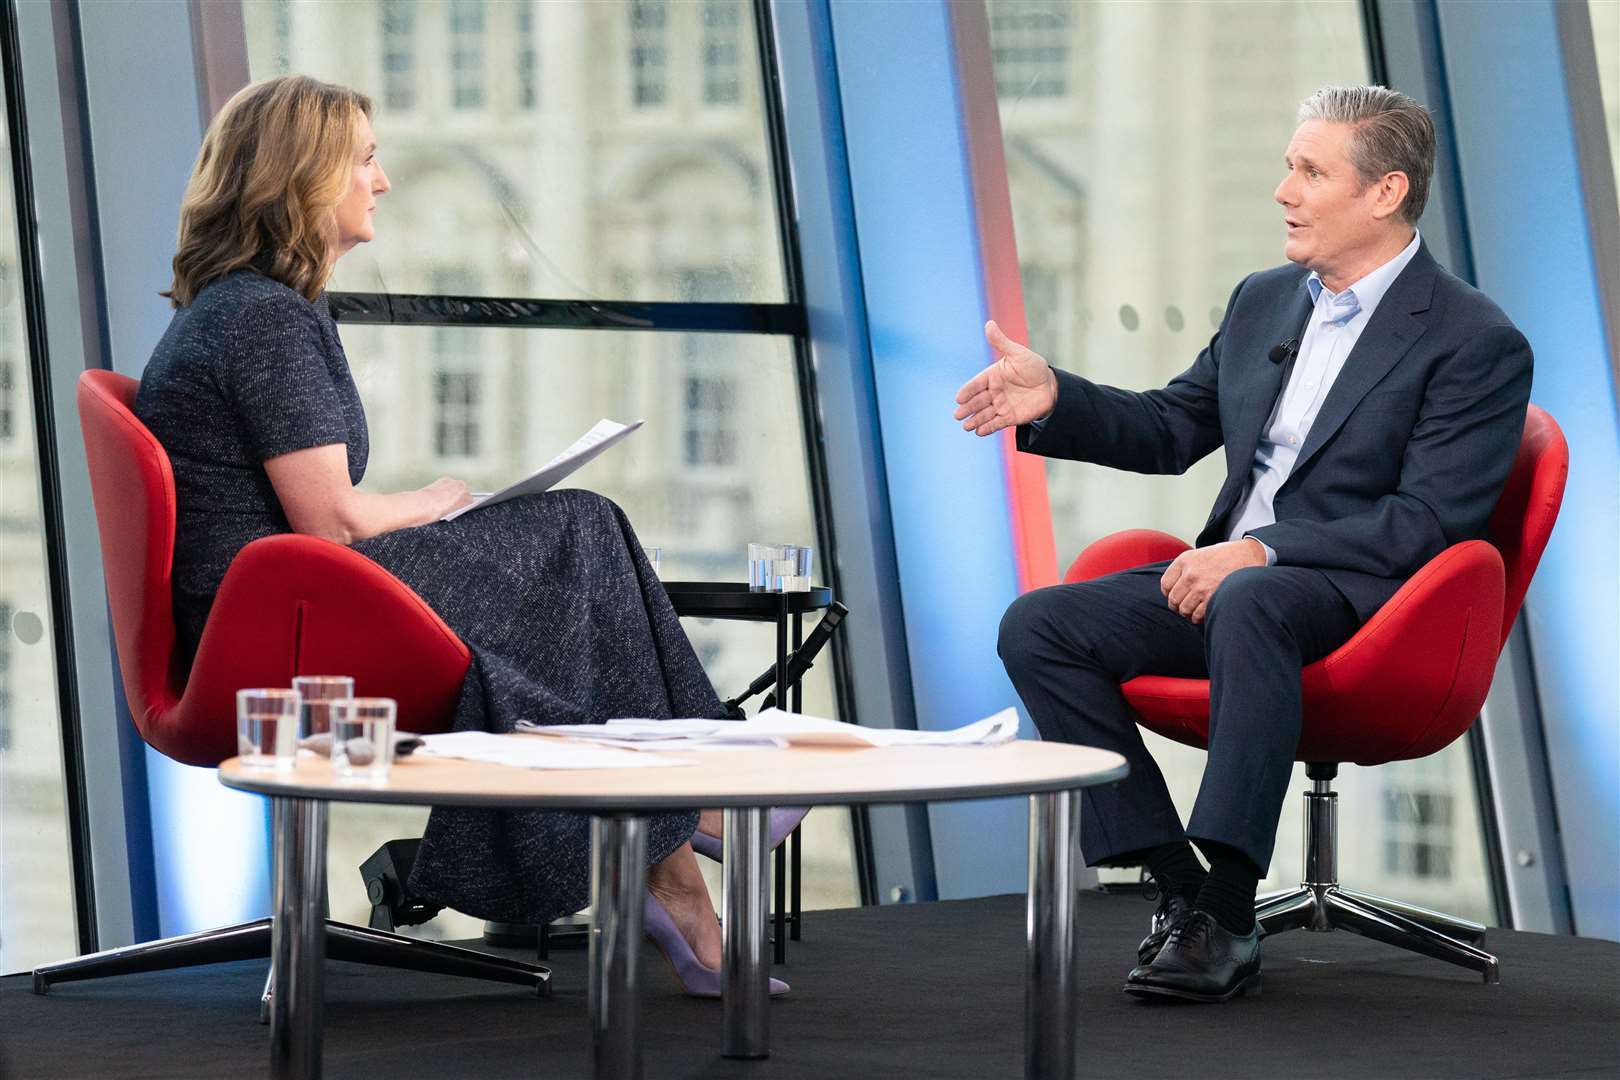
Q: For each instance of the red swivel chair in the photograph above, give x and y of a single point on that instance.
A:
(289, 605)
(1408, 683)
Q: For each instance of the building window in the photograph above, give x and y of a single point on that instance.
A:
(457, 398)
(458, 376)
(722, 46)
(1041, 308)
(467, 54)
(649, 52)
(399, 54)
(709, 385)
(8, 397)
(1417, 832)
(528, 60)
(283, 31)
(1030, 43)
(711, 400)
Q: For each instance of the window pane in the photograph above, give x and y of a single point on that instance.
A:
(732, 398)
(1143, 142)
(566, 149)
(36, 869)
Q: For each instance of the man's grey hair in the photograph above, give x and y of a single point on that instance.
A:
(1390, 133)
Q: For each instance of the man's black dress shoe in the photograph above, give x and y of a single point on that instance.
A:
(1201, 961)
(1172, 907)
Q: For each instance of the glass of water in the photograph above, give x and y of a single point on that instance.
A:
(363, 738)
(267, 728)
(316, 694)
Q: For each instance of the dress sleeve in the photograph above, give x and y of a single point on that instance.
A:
(278, 379)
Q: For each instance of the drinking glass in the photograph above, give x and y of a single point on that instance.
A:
(317, 692)
(363, 738)
(655, 555)
(267, 728)
(758, 568)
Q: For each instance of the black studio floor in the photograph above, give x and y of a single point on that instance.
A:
(932, 990)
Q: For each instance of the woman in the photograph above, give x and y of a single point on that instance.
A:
(250, 393)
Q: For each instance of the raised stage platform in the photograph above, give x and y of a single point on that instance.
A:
(930, 990)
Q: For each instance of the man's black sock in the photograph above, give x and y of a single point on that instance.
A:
(1228, 892)
(1176, 868)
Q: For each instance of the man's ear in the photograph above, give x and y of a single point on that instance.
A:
(1390, 192)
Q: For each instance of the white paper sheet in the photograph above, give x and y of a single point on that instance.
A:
(584, 449)
(524, 752)
(774, 729)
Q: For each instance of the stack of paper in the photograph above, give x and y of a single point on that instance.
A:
(774, 729)
(525, 752)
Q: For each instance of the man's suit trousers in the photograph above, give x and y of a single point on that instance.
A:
(1068, 648)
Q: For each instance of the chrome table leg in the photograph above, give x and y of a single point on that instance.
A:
(298, 938)
(744, 968)
(618, 883)
(1392, 928)
(1050, 955)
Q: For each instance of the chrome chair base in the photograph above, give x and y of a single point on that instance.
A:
(1322, 904)
(251, 941)
(1330, 907)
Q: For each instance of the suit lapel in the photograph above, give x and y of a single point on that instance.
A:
(1392, 331)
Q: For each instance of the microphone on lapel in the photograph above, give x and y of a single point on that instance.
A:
(1287, 350)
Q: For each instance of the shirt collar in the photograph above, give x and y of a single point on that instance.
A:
(1371, 289)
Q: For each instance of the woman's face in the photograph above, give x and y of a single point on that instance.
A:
(367, 181)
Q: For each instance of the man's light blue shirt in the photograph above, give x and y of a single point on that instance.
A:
(1335, 325)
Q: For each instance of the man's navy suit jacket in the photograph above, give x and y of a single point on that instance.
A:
(1407, 456)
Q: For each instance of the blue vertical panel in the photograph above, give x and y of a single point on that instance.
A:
(846, 400)
(209, 844)
(926, 308)
(1533, 253)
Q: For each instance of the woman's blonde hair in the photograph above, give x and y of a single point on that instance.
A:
(274, 165)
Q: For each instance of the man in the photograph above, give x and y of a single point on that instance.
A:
(1370, 406)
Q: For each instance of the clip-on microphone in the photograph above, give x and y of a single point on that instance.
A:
(1284, 351)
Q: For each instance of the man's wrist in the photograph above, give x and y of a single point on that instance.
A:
(1267, 556)
(1051, 381)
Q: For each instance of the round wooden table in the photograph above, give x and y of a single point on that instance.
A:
(744, 784)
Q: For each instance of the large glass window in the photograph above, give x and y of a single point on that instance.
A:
(36, 866)
(571, 190)
(1143, 142)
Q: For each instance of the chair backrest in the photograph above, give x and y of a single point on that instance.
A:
(1528, 507)
(133, 488)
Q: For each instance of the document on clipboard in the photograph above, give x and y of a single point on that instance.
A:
(583, 450)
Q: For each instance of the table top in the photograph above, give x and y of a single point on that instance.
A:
(733, 600)
(794, 777)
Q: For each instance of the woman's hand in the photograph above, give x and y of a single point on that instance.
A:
(447, 494)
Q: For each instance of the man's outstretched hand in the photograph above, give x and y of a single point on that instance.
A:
(1192, 579)
(1017, 388)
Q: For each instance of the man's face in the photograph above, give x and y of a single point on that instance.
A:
(1329, 213)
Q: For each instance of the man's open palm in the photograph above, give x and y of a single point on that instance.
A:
(1017, 388)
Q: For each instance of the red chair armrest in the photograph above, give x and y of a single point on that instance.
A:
(298, 605)
(1121, 551)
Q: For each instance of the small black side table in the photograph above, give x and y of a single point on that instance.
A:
(733, 600)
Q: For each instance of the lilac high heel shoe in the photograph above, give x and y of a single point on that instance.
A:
(697, 980)
(784, 819)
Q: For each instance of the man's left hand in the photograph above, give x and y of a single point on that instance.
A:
(1193, 577)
